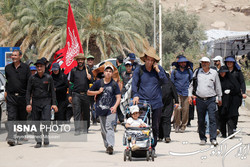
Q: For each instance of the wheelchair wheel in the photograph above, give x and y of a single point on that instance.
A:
(130, 156)
(147, 155)
(125, 155)
(153, 155)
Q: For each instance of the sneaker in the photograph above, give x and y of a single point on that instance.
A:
(214, 142)
(46, 144)
(11, 142)
(177, 129)
(19, 142)
(77, 133)
(110, 150)
(38, 145)
(218, 132)
(203, 142)
(181, 130)
(167, 140)
(135, 147)
(159, 139)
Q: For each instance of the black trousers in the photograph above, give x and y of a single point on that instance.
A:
(81, 111)
(156, 117)
(41, 114)
(228, 123)
(165, 122)
(16, 108)
(62, 110)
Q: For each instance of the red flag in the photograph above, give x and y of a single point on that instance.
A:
(73, 44)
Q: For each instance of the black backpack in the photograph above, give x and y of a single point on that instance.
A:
(195, 81)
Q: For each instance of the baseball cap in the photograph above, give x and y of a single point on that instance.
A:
(131, 56)
(108, 66)
(128, 63)
(204, 59)
(134, 109)
(40, 61)
(217, 58)
(55, 67)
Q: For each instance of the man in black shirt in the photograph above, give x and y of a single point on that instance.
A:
(80, 77)
(17, 75)
(41, 90)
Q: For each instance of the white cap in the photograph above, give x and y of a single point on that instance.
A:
(108, 66)
(205, 59)
(217, 58)
(128, 62)
(134, 109)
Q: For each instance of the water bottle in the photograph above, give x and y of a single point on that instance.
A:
(243, 102)
(145, 103)
(131, 102)
(52, 114)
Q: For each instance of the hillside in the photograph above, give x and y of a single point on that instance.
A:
(217, 14)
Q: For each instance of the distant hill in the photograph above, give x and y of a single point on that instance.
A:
(231, 15)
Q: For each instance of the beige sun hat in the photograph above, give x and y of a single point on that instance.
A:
(151, 52)
(80, 56)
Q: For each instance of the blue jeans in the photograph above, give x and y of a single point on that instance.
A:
(204, 106)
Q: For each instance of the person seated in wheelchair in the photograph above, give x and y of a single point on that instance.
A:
(134, 121)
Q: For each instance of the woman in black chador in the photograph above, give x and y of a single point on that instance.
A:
(169, 98)
(231, 100)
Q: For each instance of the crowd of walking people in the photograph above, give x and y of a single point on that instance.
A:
(34, 90)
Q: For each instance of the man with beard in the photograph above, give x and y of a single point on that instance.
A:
(218, 62)
(146, 86)
(61, 85)
(81, 76)
(181, 77)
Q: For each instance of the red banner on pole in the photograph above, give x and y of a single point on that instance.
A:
(73, 44)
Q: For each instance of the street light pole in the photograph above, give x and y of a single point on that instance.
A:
(155, 24)
(160, 34)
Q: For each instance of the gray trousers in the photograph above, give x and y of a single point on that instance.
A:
(107, 129)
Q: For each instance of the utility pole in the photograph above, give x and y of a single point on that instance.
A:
(160, 34)
(155, 24)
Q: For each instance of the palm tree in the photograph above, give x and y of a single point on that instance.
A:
(111, 27)
(106, 27)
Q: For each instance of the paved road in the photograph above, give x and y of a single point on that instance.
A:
(92, 152)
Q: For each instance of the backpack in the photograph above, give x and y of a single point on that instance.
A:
(140, 74)
(113, 84)
(195, 81)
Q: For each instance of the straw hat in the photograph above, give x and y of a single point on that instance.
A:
(151, 53)
(100, 69)
(79, 56)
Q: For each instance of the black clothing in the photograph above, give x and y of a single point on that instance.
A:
(41, 89)
(16, 85)
(231, 101)
(240, 78)
(61, 85)
(81, 111)
(80, 100)
(228, 112)
(79, 79)
(169, 94)
(17, 79)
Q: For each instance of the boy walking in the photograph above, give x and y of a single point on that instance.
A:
(107, 100)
